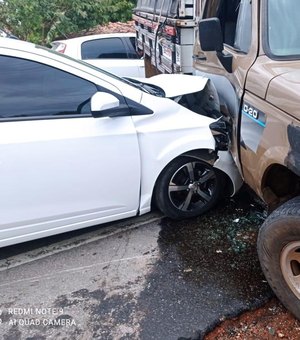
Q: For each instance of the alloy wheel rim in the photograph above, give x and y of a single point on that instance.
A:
(290, 266)
(192, 186)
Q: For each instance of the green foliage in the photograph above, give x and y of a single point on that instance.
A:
(117, 10)
(40, 21)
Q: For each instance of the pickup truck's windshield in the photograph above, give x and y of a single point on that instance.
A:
(284, 27)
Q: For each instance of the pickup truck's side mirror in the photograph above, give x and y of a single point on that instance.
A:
(210, 35)
(211, 39)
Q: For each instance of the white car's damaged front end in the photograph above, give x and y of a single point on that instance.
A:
(179, 130)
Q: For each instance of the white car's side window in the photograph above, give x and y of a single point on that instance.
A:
(108, 48)
(32, 89)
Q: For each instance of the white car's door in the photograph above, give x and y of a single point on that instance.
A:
(114, 55)
(60, 168)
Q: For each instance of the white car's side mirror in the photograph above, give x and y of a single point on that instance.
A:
(101, 101)
(104, 104)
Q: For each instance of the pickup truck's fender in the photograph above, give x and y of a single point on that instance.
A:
(230, 102)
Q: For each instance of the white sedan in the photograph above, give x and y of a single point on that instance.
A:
(80, 147)
(113, 52)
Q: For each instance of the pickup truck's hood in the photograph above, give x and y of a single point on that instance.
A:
(176, 84)
(283, 92)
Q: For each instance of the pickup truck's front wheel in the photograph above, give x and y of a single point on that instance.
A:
(279, 253)
(187, 188)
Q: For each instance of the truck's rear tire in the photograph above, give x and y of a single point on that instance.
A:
(279, 253)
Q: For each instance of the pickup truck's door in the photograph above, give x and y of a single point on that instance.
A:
(239, 24)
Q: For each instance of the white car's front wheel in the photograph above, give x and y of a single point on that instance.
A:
(187, 188)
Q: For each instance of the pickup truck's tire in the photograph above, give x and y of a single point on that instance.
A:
(187, 188)
(279, 253)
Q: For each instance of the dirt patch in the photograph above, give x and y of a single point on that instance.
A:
(112, 27)
(272, 321)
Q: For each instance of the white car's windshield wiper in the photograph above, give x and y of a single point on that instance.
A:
(148, 88)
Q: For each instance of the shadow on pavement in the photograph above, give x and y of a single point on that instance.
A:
(208, 271)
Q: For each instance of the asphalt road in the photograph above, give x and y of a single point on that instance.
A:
(142, 278)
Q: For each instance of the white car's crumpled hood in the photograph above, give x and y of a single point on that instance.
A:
(176, 84)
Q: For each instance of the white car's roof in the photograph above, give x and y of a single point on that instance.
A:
(25, 46)
(16, 44)
(97, 36)
(20, 45)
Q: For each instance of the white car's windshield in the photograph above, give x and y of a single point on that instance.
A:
(284, 27)
(151, 89)
(79, 61)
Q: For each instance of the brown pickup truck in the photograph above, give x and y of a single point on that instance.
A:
(250, 50)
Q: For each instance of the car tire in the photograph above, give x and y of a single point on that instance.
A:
(279, 253)
(187, 187)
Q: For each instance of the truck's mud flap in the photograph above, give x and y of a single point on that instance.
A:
(293, 157)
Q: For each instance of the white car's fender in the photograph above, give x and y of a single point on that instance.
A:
(162, 139)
